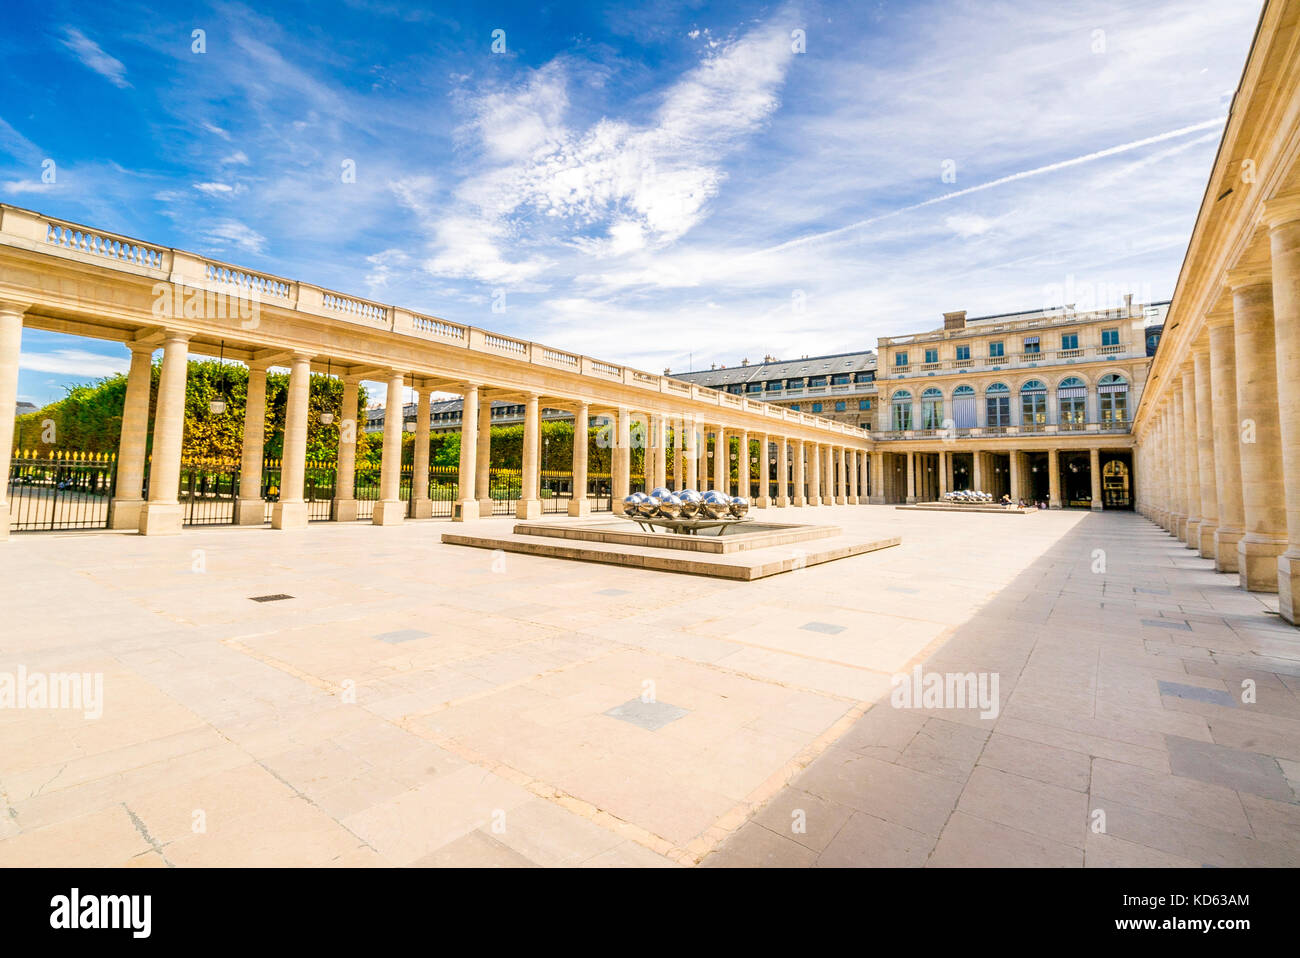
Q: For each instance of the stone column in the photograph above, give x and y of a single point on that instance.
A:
(799, 498)
(467, 507)
(764, 477)
(579, 505)
(483, 458)
(782, 473)
(530, 505)
(128, 494)
(621, 457)
(661, 451)
(678, 455)
(1177, 456)
(344, 508)
(828, 475)
(842, 490)
(290, 511)
(1094, 473)
(691, 453)
(1190, 462)
(977, 471)
(11, 339)
(251, 509)
(1262, 482)
(1016, 478)
(161, 514)
(742, 465)
(853, 496)
(721, 461)
(390, 509)
(1205, 451)
(421, 504)
(1282, 216)
(1053, 479)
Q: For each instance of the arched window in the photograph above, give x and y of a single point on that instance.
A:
(902, 406)
(997, 406)
(1112, 393)
(1071, 403)
(932, 409)
(1033, 405)
(963, 407)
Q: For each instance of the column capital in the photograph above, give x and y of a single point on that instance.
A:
(176, 336)
(11, 306)
(135, 347)
(1217, 318)
(1243, 277)
(1281, 210)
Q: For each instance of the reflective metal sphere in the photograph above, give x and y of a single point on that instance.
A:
(670, 507)
(691, 503)
(738, 506)
(661, 492)
(715, 504)
(648, 507)
(631, 502)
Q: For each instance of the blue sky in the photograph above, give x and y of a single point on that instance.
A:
(667, 184)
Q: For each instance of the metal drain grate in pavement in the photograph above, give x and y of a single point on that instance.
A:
(270, 598)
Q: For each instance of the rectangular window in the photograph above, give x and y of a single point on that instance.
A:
(794, 406)
(867, 377)
(900, 359)
(794, 384)
(756, 387)
(998, 411)
(932, 355)
(841, 406)
(817, 407)
(840, 379)
(774, 386)
(1070, 341)
(864, 403)
(1110, 337)
(817, 381)
(995, 351)
(1031, 344)
(963, 352)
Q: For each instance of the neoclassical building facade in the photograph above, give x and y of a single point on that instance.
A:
(1218, 426)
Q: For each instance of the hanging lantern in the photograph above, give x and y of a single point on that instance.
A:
(218, 406)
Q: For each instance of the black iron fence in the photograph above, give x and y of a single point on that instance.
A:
(60, 490)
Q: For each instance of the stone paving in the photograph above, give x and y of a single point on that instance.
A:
(421, 703)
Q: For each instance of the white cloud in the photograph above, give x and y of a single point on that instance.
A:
(214, 189)
(90, 54)
(73, 362)
(234, 233)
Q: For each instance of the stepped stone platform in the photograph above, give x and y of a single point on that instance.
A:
(947, 507)
(745, 552)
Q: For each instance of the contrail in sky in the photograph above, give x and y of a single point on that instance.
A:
(1037, 171)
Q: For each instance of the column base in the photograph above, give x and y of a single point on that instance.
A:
(528, 509)
(1288, 585)
(485, 507)
(852, 500)
(161, 519)
(580, 508)
(763, 502)
(292, 515)
(250, 512)
(1257, 562)
(123, 513)
(465, 511)
(1192, 533)
(781, 502)
(616, 507)
(344, 510)
(797, 501)
(1178, 529)
(389, 512)
(4, 521)
(1096, 507)
(421, 508)
(841, 500)
(876, 500)
(1206, 540)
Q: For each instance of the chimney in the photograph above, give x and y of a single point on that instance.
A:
(955, 320)
(713, 365)
(1128, 304)
(745, 361)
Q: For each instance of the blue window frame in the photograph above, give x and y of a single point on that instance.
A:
(1069, 340)
(817, 407)
(932, 356)
(963, 352)
(1110, 337)
(900, 359)
(996, 350)
(841, 406)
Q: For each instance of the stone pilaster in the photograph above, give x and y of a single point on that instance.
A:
(390, 509)
(579, 505)
(1205, 452)
(467, 508)
(1282, 216)
(290, 511)
(344, 507)
(421, 504)
(529, 505)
